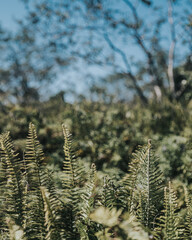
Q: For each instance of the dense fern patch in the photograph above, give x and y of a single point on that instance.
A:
(141, 205)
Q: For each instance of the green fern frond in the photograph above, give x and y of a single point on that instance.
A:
(51, 217)
(149, 187)
(170, 219)
(169, 222)
(109, 195)
(11, 185)
(86, 205)
(129, 182)
(144, 182)
(74, 193)
(188, 220)
(34, 178)
(69, 161)
(34, 160)
(74, 173)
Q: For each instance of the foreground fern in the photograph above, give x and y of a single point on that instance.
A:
(12, 188)
(32, 206)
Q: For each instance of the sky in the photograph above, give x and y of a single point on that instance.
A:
(9, 11)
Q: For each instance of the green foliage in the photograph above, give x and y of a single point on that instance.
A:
(34, 177)
(106, 133)
(12, 189)
(149, 186)
(169, 221)
(34, 206)
(51, 217)
(188, 220)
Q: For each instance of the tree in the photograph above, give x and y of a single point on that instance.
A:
(106, 33)
(156, 68)
(25, 66)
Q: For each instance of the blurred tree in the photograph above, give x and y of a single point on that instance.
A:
(155, 36)
(25, 66)
(136, 38)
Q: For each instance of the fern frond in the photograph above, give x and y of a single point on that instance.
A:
(34, 179)
(69, 161)
(169, 223)
(188, 220)
(11, 185)
(73, 191)
(74, 174)
(85, 206)
(170, 219)
(109, 194)
(143, 183)
(130, 180)
(34, 160)
(149, 187)
(51, 217)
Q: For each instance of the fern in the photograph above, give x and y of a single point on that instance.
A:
(85, 206)
(113, 195)
(149, 187)
(143, 186)
(11, 185)
(51, 217)
(33, 207)
(169, 222)
(188, 221)
(71, 191)
(80, 198)
(34, 178)
(69, 161)
(130, 180)
(109, 198)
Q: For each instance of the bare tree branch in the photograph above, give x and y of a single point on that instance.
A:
(128, 73)
(171, 49)
(152, 70)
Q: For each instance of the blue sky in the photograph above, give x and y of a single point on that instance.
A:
(10, 10)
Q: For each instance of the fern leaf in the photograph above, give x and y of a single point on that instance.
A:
(51, 217)
(149, 187)
(85, 206)
(169, 223)
(110, 197)
(130, 180)
(144, 183)
(11, 186)
(73, 191)
(34, 178)
(68, 164)
(188, 221)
